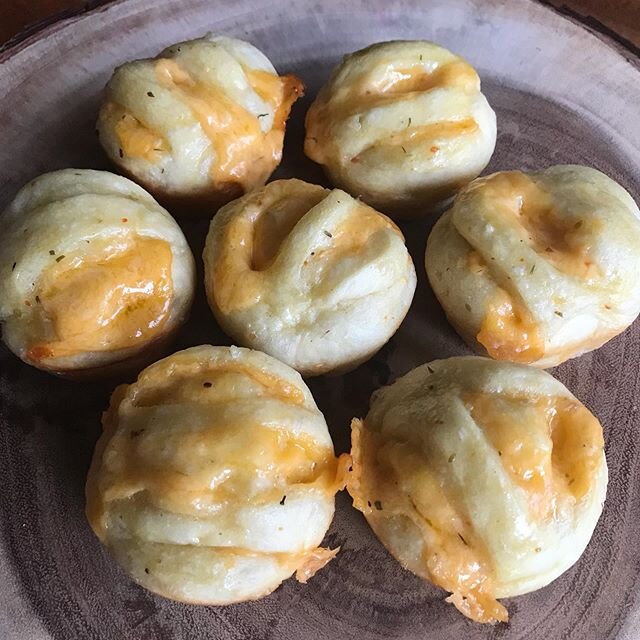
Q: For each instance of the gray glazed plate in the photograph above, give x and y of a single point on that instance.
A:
(562, 94)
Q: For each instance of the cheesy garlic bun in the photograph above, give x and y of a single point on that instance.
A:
(200, 124)
(540, 267)
(403, 125)
(486, 478)
(311, 276)
(95, 275)
(214, 479)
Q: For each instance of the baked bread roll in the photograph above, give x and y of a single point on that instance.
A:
(200, 124)
(402, 125)
(215, 476)
(311, 276)
(95, 275)
(486, 478)
(538, 268)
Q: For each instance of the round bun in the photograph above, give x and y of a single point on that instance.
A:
(311, 276)
(215, 476)
(402, 125)
(486, 478)
(95, 275)
(538, 268)
(200, 124)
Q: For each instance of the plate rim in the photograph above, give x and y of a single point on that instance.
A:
(33, 33)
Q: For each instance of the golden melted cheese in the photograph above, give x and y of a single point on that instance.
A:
(395, 83)
(227, 379)
(508, 332)
(416, 79)
(312, 561)
(390, 481)
(280, 92)
(354, 233)
(562, 240)
(134, 138)
(551, 446)
(244, 154)
(213, 464)
(175, 440)
(416, 139)
(111, 299)
(577, 445)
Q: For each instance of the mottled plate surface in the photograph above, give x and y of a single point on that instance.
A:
(562, 94)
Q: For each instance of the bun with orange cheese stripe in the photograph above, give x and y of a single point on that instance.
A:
(215, 476)
(95, 275)
(311, 276)
(403, 125)
(541, 267)
(202, 123)
(486, 478)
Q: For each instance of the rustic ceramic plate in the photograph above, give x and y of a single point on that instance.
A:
(562, 94)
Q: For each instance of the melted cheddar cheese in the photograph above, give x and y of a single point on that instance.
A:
(562, 240)
(244, 154)
(508, 332)
(391, 482)
(418, 138)
(417, 78)
(366, 94)
(176, 441)
(113, 299)
(135, 139)
(551, 449)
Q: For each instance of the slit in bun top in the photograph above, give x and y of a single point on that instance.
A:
(200, 124)
(95, 275)
(540, 267)
(403, 125)
(486, 478)
(214, 479)
(309, 275)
